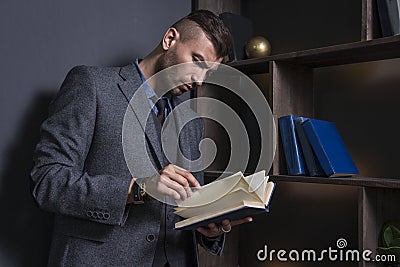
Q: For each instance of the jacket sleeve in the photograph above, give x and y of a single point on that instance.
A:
(61, 184)
(214, 245)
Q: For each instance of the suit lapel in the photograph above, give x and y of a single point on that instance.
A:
(137, 99)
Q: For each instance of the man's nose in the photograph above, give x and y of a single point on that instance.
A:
(198, 82)
(199, 77)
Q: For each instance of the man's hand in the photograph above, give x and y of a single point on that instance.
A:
(213, 230)
(171, 181)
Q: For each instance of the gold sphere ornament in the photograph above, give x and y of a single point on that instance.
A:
(258, 46)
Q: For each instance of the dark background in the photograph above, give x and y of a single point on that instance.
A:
(40, 41)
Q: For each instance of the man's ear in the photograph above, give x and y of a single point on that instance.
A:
(171, 36)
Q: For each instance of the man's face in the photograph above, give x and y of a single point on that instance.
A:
(201, 55)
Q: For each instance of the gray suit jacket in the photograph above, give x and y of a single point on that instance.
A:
(81, 175)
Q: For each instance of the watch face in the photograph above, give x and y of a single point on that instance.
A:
(136, 192)
(142, 189)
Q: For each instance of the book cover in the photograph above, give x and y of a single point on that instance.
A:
(233, 197)
(394, 16)
(291, 146)
(398, 13)
(383, 12)
(329, 147)
(313, 166)
(237, 212)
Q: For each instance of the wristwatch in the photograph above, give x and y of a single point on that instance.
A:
(139, 192)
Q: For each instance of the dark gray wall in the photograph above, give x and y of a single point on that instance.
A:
(40, 41)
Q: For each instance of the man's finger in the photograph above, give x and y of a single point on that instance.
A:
(172, 193)
(171, 172)
(241, 221)
(188, 176)
(203, 231)
(178, 178)
(211, 231)
(213, 227)
(163, 190)
(174, 186)
(182, 181)
(179, 168)
(226, 222)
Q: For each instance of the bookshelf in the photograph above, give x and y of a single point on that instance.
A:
(292, 74)
(292, 77)
(372, 182)
(290, 89)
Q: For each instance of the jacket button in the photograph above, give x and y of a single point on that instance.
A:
(170, 217)
(95, 214)
(150, 238)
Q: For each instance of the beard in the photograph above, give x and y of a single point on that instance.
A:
(168, 60)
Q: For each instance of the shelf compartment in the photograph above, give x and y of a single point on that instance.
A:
(351, 181)
(374, 182)
(370, 50)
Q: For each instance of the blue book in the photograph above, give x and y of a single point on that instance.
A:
(234, 197)
(384, 18)
(394, 15)
(329, 147)
(291, 146)
(313, 166)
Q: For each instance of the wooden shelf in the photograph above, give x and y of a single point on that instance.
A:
(375, 182)
(352, 181)
(370, 50)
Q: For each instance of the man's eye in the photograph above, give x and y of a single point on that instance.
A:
(196, 61)
(200, 63)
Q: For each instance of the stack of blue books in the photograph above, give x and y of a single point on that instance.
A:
(314, 148)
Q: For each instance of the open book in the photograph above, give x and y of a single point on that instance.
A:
(233, 197)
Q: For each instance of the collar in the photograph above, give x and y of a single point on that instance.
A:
(147, 88)
(150, 94)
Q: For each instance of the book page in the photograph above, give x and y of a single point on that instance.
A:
(212, 191)
(269, 189)
(237, 195)
(257, 183)
(233, 198)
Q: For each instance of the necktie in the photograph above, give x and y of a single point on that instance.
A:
(162, 107)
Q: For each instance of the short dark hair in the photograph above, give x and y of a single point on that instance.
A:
(211, 25)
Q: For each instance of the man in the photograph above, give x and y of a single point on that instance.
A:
(81, 174)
